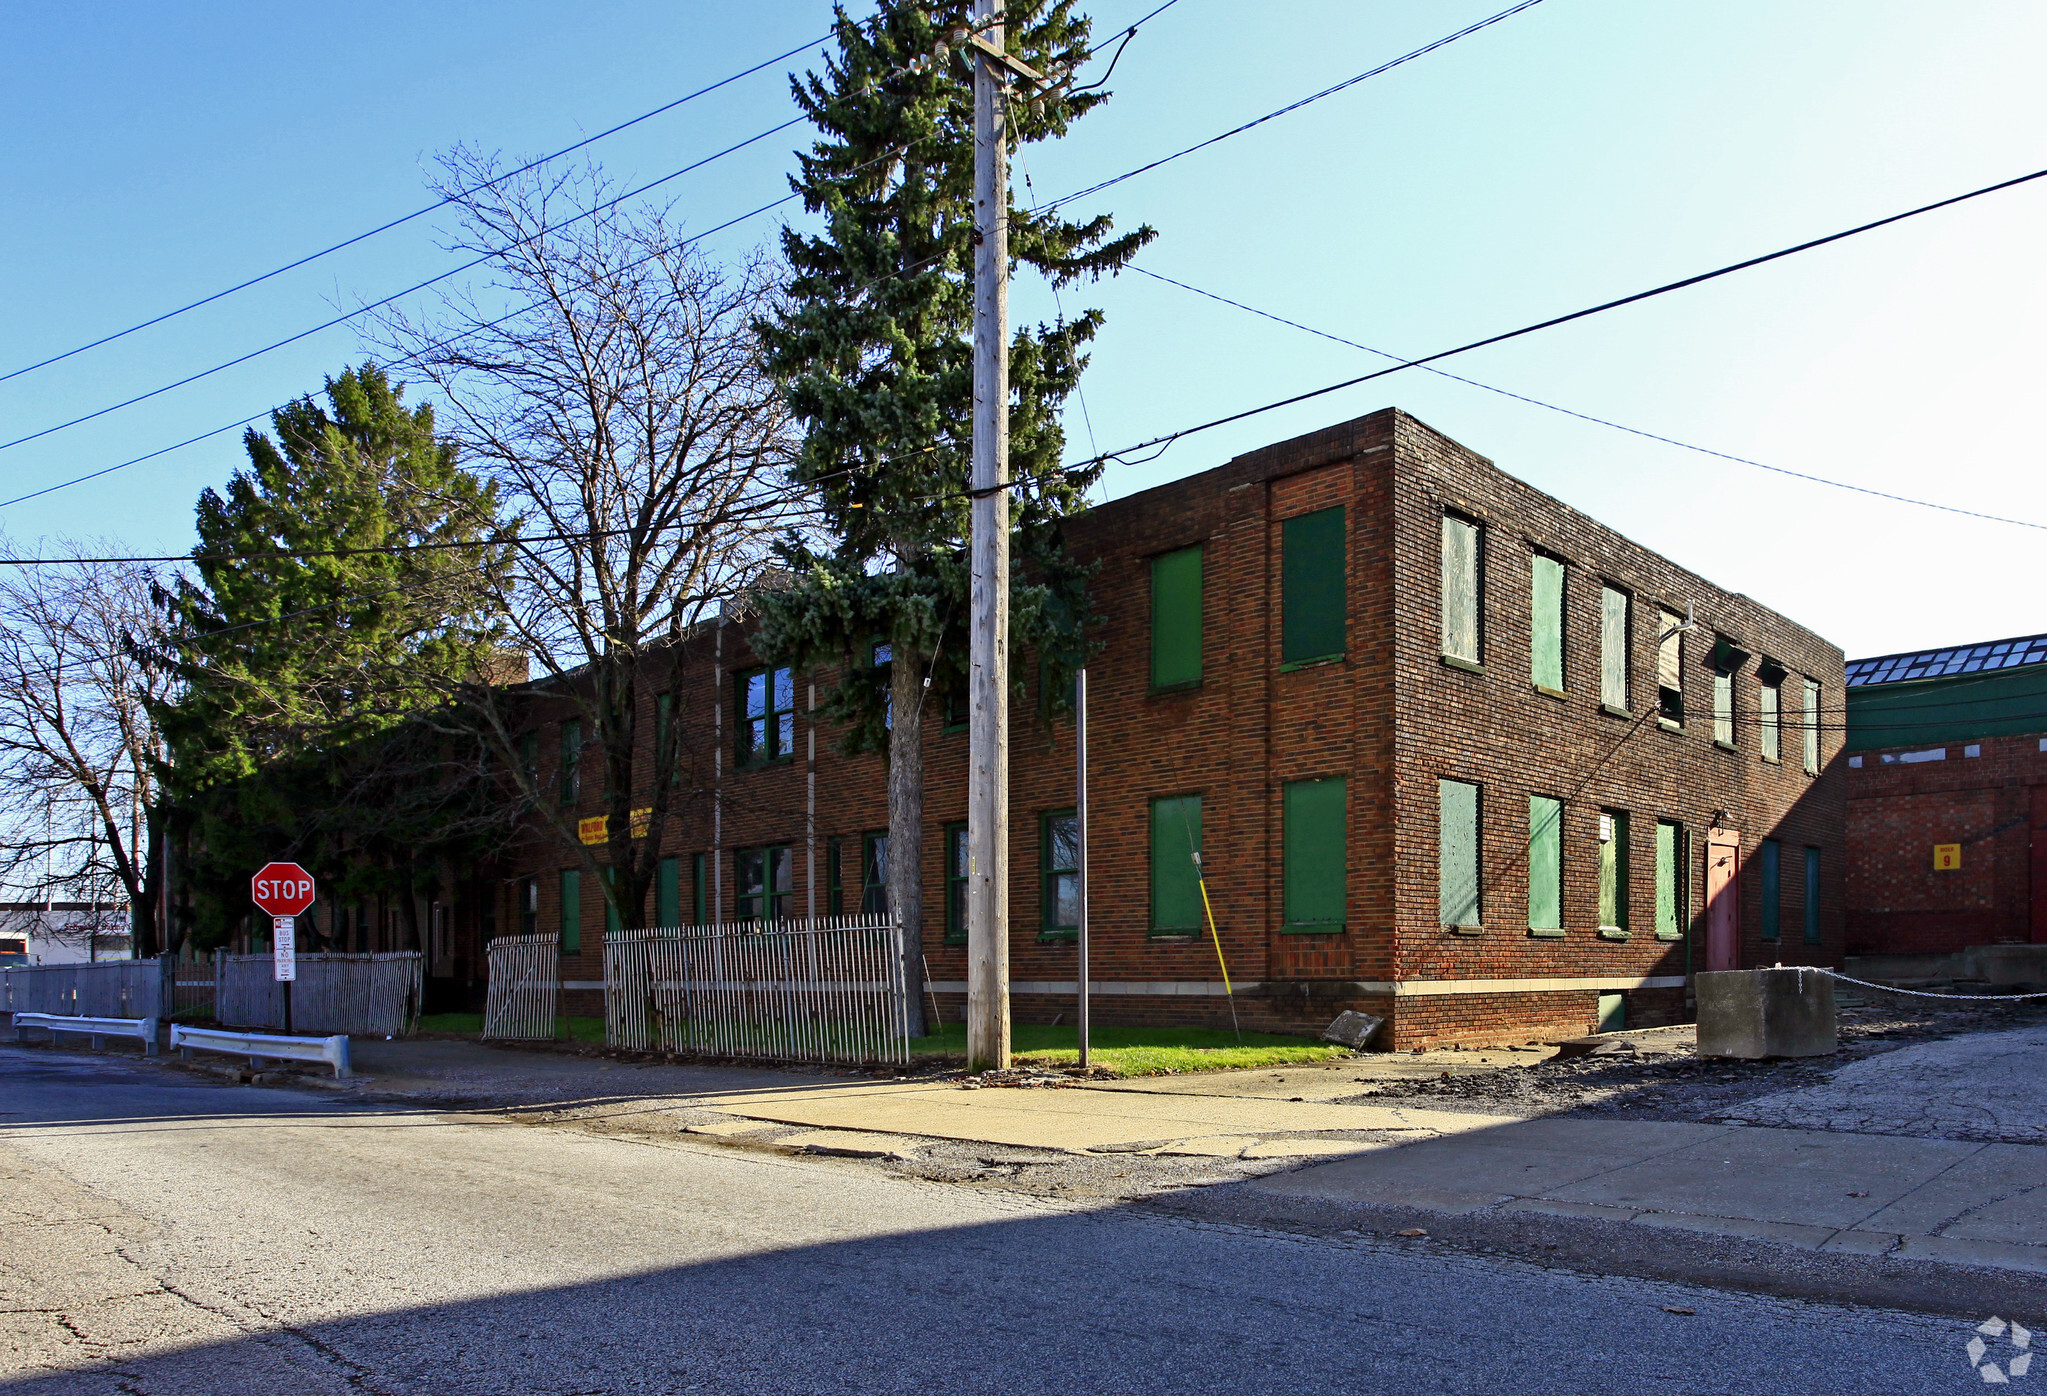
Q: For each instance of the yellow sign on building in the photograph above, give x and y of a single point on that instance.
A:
(1947, 857)
(597, 828)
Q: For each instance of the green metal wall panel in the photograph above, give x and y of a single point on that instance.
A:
(1546, 647)
(1176, 619)
(1315, 862)
(1175, 886)
(1457, 858)
(1312, 590)
(1965, 708)
(1545, 863)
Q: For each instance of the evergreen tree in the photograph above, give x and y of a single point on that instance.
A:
(297, 673)
(875, 347)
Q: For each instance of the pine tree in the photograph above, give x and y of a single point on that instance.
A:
(875, 347)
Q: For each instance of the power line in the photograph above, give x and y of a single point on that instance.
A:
(416, 213)
(1171, 437)
(1347, 83)
(1587, 416)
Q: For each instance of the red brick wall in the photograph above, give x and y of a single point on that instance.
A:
(1898, 811)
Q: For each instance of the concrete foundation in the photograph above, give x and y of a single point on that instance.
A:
(1753, 1013)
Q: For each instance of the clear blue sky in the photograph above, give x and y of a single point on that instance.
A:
(1579, 151)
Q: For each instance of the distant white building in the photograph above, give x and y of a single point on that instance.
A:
(64, 933)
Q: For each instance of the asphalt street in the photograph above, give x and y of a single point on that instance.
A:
(161, 1234)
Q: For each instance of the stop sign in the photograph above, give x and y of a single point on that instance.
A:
(282, 889)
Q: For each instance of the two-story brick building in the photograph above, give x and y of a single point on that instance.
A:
(1450, 749)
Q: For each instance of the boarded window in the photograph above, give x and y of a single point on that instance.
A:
(1670, 666)
(955, 884)
(1812, 896)
(1812, 728)
(1613, 870)
(1315, 871)
(1770, 886)
(1545, 863)
(1673, 894)
(1176, 619)
(699, 889)
(668, 892)
(572, 912)
(1175, 881)
(1723, 707)
(1312, 587)
(1460, 588)
(1546, 622)
(1059, 864)
(1457, 853)
(1769, 718)
(1613, 647)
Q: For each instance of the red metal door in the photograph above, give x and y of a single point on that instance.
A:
(1723, 899)
(2039, 837)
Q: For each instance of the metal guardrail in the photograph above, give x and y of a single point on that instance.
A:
(259, 1046)
(99, 1029)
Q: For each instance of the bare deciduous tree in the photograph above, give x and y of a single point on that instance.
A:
(609, 383)
(77, 743)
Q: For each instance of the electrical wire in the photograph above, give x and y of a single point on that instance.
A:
(416, 213)
(1588, 417)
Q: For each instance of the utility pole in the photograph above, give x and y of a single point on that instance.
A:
(988, 620)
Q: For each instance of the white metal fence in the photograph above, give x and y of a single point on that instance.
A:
(525, 987)
(824, 990)
(107, 989)
(364, 994)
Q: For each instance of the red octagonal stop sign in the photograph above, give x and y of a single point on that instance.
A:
(282, 889)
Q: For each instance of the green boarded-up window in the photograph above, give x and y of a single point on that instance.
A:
(1461, 549)
(1546, 622)
(572, 912)
(1769, 717)
(1312, 587)
(1770, 876)
(1457, 853)
(1672, 894)
(1812, 728)
(1613, 870)
(1812, 896)
(1176, 619)
(1316, 857)
(1613, 647)
(699, 889)
(1545, 863)
(1175, 882)
(668, 892)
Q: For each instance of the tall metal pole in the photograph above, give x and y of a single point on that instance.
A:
(988, 623)
(1080, 862)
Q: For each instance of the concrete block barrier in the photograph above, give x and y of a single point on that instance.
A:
(1753, 1013)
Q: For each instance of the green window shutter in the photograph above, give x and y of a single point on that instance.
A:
(1176, 618)
(1175, 884)
(1613, 872)
(1545, 863)
(1546, 641)
(1312, 587)
(699, 889)
(1460, 588)
(1613, 647)
(1316, 857)
(1812, 896)
(1770, 875)
(1457, 853)
(668, 892)
(572, 913)
(1669, 863)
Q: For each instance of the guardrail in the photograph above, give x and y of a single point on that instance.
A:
(100, 1029)
(259, 1046)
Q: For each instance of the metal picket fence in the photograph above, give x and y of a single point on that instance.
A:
(525, 987)
(363, 994)
(824, 990)
(106, 989)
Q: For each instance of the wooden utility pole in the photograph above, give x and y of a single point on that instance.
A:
(988, 622)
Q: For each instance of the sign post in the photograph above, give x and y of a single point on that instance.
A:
(284, 890)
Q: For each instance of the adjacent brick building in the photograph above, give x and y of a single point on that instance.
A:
(1947, 799)
(1425, 723)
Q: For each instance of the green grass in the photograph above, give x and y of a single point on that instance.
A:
(471, 1025)
(1140, 1051)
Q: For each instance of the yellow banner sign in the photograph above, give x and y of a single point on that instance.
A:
(597, 828)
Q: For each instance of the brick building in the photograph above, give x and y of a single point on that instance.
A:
(1947, 799)
(1425, 723)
